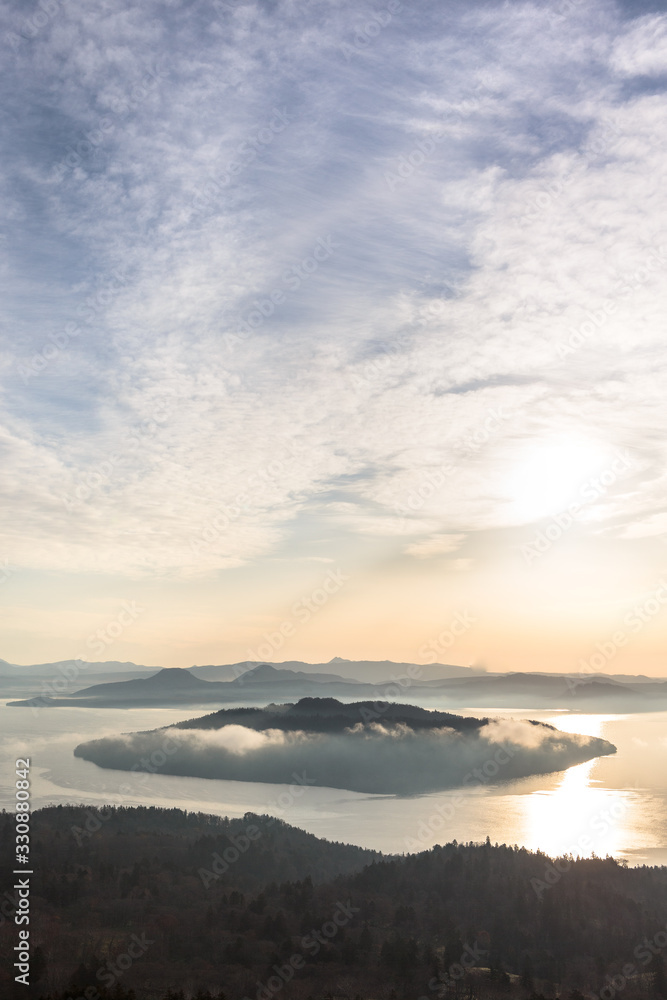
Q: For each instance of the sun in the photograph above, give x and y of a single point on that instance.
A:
(546, 477)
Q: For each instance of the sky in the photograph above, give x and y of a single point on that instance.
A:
(334, 330)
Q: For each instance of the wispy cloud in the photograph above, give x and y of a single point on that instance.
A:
(488, 188)
(437, 545)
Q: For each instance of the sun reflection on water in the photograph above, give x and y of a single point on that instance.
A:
(576, 816)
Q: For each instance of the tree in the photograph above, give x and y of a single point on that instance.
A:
(37, 965)
(527, 976)
(658, 977)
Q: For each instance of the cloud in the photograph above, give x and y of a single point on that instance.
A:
(435, 546)
(224, 374)
(366, 758)
(643, 50)
(235, 739)
(520, 733)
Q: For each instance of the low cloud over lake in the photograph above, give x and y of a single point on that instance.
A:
(373, 757)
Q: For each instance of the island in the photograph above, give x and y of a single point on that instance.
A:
(380, 748)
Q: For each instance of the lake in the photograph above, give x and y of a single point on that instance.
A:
(613, 805)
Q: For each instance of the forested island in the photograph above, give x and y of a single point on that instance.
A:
(373, 747)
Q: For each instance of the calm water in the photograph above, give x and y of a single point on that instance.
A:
(614, 805)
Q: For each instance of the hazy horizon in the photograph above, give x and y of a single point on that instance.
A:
(475, 670)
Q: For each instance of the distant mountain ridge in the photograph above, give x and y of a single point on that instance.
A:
(35, 678)
(265, 682)
(89, 666)
(365, 671)
(170, 679)
(177, 685)
(266, 673)
(375, 670)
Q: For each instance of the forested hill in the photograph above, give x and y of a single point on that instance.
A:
(328, 715)
(233, 906)
(118, 835)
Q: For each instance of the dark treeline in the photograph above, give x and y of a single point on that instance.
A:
(119, 993)
(328, 715)
(154, 900)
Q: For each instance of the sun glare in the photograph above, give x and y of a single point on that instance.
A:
(550, 476)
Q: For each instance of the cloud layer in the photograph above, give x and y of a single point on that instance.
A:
(378, 759)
